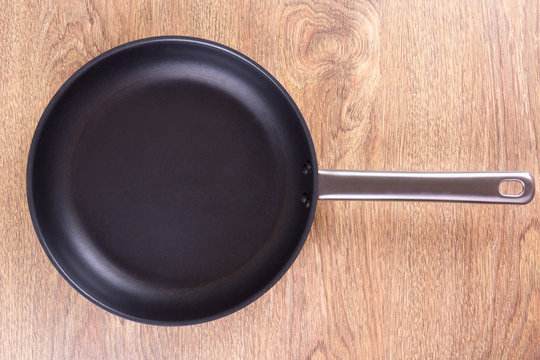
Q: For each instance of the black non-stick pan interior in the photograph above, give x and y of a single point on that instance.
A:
(172, 181)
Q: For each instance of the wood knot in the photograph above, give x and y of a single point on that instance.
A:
(329, 41)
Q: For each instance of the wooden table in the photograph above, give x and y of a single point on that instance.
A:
(395, 85)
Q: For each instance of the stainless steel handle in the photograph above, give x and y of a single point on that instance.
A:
(465, 187)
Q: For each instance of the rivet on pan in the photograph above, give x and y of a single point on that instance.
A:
(307, 204)
(304, 198)
(306, 168)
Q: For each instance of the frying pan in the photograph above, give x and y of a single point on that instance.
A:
(173, 181)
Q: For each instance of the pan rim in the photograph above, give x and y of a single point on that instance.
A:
(44, 119)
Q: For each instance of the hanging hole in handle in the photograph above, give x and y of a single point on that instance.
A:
(511, 188)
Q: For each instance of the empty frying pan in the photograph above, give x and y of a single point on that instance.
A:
(173, 181)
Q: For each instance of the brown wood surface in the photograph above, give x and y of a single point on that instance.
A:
(392, 85)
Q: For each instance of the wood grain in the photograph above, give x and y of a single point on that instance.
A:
(391, 85)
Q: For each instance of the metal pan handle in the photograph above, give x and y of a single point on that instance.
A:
(463, 186)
